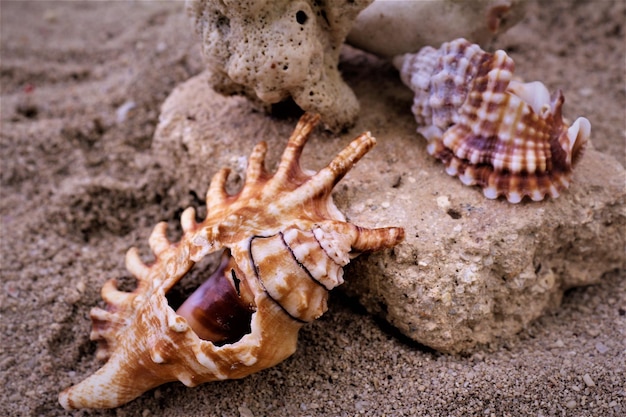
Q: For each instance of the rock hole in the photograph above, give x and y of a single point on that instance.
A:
(323, 13)
(286, 109)
(28, 110)
(301, 17)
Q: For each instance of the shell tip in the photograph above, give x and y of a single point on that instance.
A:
(578, 135)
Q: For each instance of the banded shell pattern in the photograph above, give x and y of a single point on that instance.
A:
(285, 243)
(487, 127)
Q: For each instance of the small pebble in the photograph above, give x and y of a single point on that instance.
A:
(593, 332)
(443, 202)
(588, 381)
(245, 411)
(11, 289)
(123, 110)
(158, 394)
(362, 405)
(51, 16)
(570, 404)
(601, 347)
(161, 47)
(342, 341)
(511, 238)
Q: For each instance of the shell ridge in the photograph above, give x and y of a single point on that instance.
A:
(267, 293)
(304, 268)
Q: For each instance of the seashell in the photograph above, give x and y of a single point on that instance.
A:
(285, 243)
(488, 128)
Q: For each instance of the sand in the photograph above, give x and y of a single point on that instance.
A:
(81, 89)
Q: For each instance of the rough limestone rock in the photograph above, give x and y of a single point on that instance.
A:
(274, 50)
(471, 270)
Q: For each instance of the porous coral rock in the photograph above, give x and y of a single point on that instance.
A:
(273, 50)
(470, 270)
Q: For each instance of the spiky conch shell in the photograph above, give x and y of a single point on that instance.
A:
(288, 243)
(488, 128)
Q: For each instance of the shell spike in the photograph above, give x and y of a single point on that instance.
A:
(216, 193)
(158, 241)
(350, 155)
(188, 220)
(578, 134)
(117, 382)
(256, 164)
(326, 178)
(534, 93)
(370, 240)
(556, 105)
(136, 266)
(361, 239)
(111, 295)
(289, 160)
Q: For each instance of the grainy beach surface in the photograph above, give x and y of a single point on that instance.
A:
(81, 88)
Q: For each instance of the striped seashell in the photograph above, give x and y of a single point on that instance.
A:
(285, 244)
(488, 128)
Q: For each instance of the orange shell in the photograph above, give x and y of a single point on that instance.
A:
(146, 343)
(490, 130)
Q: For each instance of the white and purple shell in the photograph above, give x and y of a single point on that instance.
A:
(489, 129)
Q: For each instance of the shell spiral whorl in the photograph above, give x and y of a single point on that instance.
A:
(488, 128)
(285, 244)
